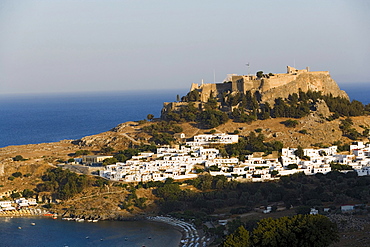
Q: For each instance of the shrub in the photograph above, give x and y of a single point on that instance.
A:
(140, 122)
(15, 195)
(18, 158)
(17, 174)
(290, 123)
(259, 130)
(303, 131)
(292, 166)
(82, 152)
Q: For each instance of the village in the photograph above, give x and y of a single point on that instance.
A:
(191, 159)
(197, 156)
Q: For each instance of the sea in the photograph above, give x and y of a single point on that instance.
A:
(45, 232)
(39, 118)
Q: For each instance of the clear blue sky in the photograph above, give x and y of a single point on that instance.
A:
(107, 45)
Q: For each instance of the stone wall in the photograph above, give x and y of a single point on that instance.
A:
(314, 81)
(207, 89)
(276, 81)
(278, 85)
(270, 87)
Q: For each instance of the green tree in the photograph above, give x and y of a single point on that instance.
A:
(82, 152)
(239, 238)
(15, 195)
(27, 193)
(18, 158)
(120, 157)
(177, 129)
(109, 161)
(150, 117)
(106, 150)
(17, 174)
(290, 123)
(292, 166)
(299, 152)
(211, 103)
(212, 118)
(191, 96)
(299, 230)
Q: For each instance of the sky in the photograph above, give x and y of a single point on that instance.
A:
(118, 45)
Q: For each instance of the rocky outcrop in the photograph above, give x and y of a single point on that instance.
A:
(322, 109)
(106, 139)
(310, 81)
(269, 87)
(119, 137)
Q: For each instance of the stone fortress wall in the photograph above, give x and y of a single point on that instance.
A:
(291, 81)
(270, 87)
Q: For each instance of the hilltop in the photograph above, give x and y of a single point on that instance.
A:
(265, 87)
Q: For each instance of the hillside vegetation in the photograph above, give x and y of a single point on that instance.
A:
(248, 107)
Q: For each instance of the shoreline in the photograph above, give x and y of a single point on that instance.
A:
(25, 213)
(190, 234)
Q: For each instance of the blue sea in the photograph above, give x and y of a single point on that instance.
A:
(33, 118)
(57, 233)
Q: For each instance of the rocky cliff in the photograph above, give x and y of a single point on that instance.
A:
(311, 81)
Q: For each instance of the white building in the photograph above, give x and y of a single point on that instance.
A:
(6, 205)
(223, 138)
(180, 162)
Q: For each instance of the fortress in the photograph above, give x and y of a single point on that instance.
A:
(269, 86)
(272, 86)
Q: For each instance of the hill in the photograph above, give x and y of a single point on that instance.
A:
(238, 91)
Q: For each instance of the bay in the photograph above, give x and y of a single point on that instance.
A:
(48, 232)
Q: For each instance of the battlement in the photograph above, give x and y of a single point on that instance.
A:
(242, 83)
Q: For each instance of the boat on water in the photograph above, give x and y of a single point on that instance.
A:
(33, 223)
